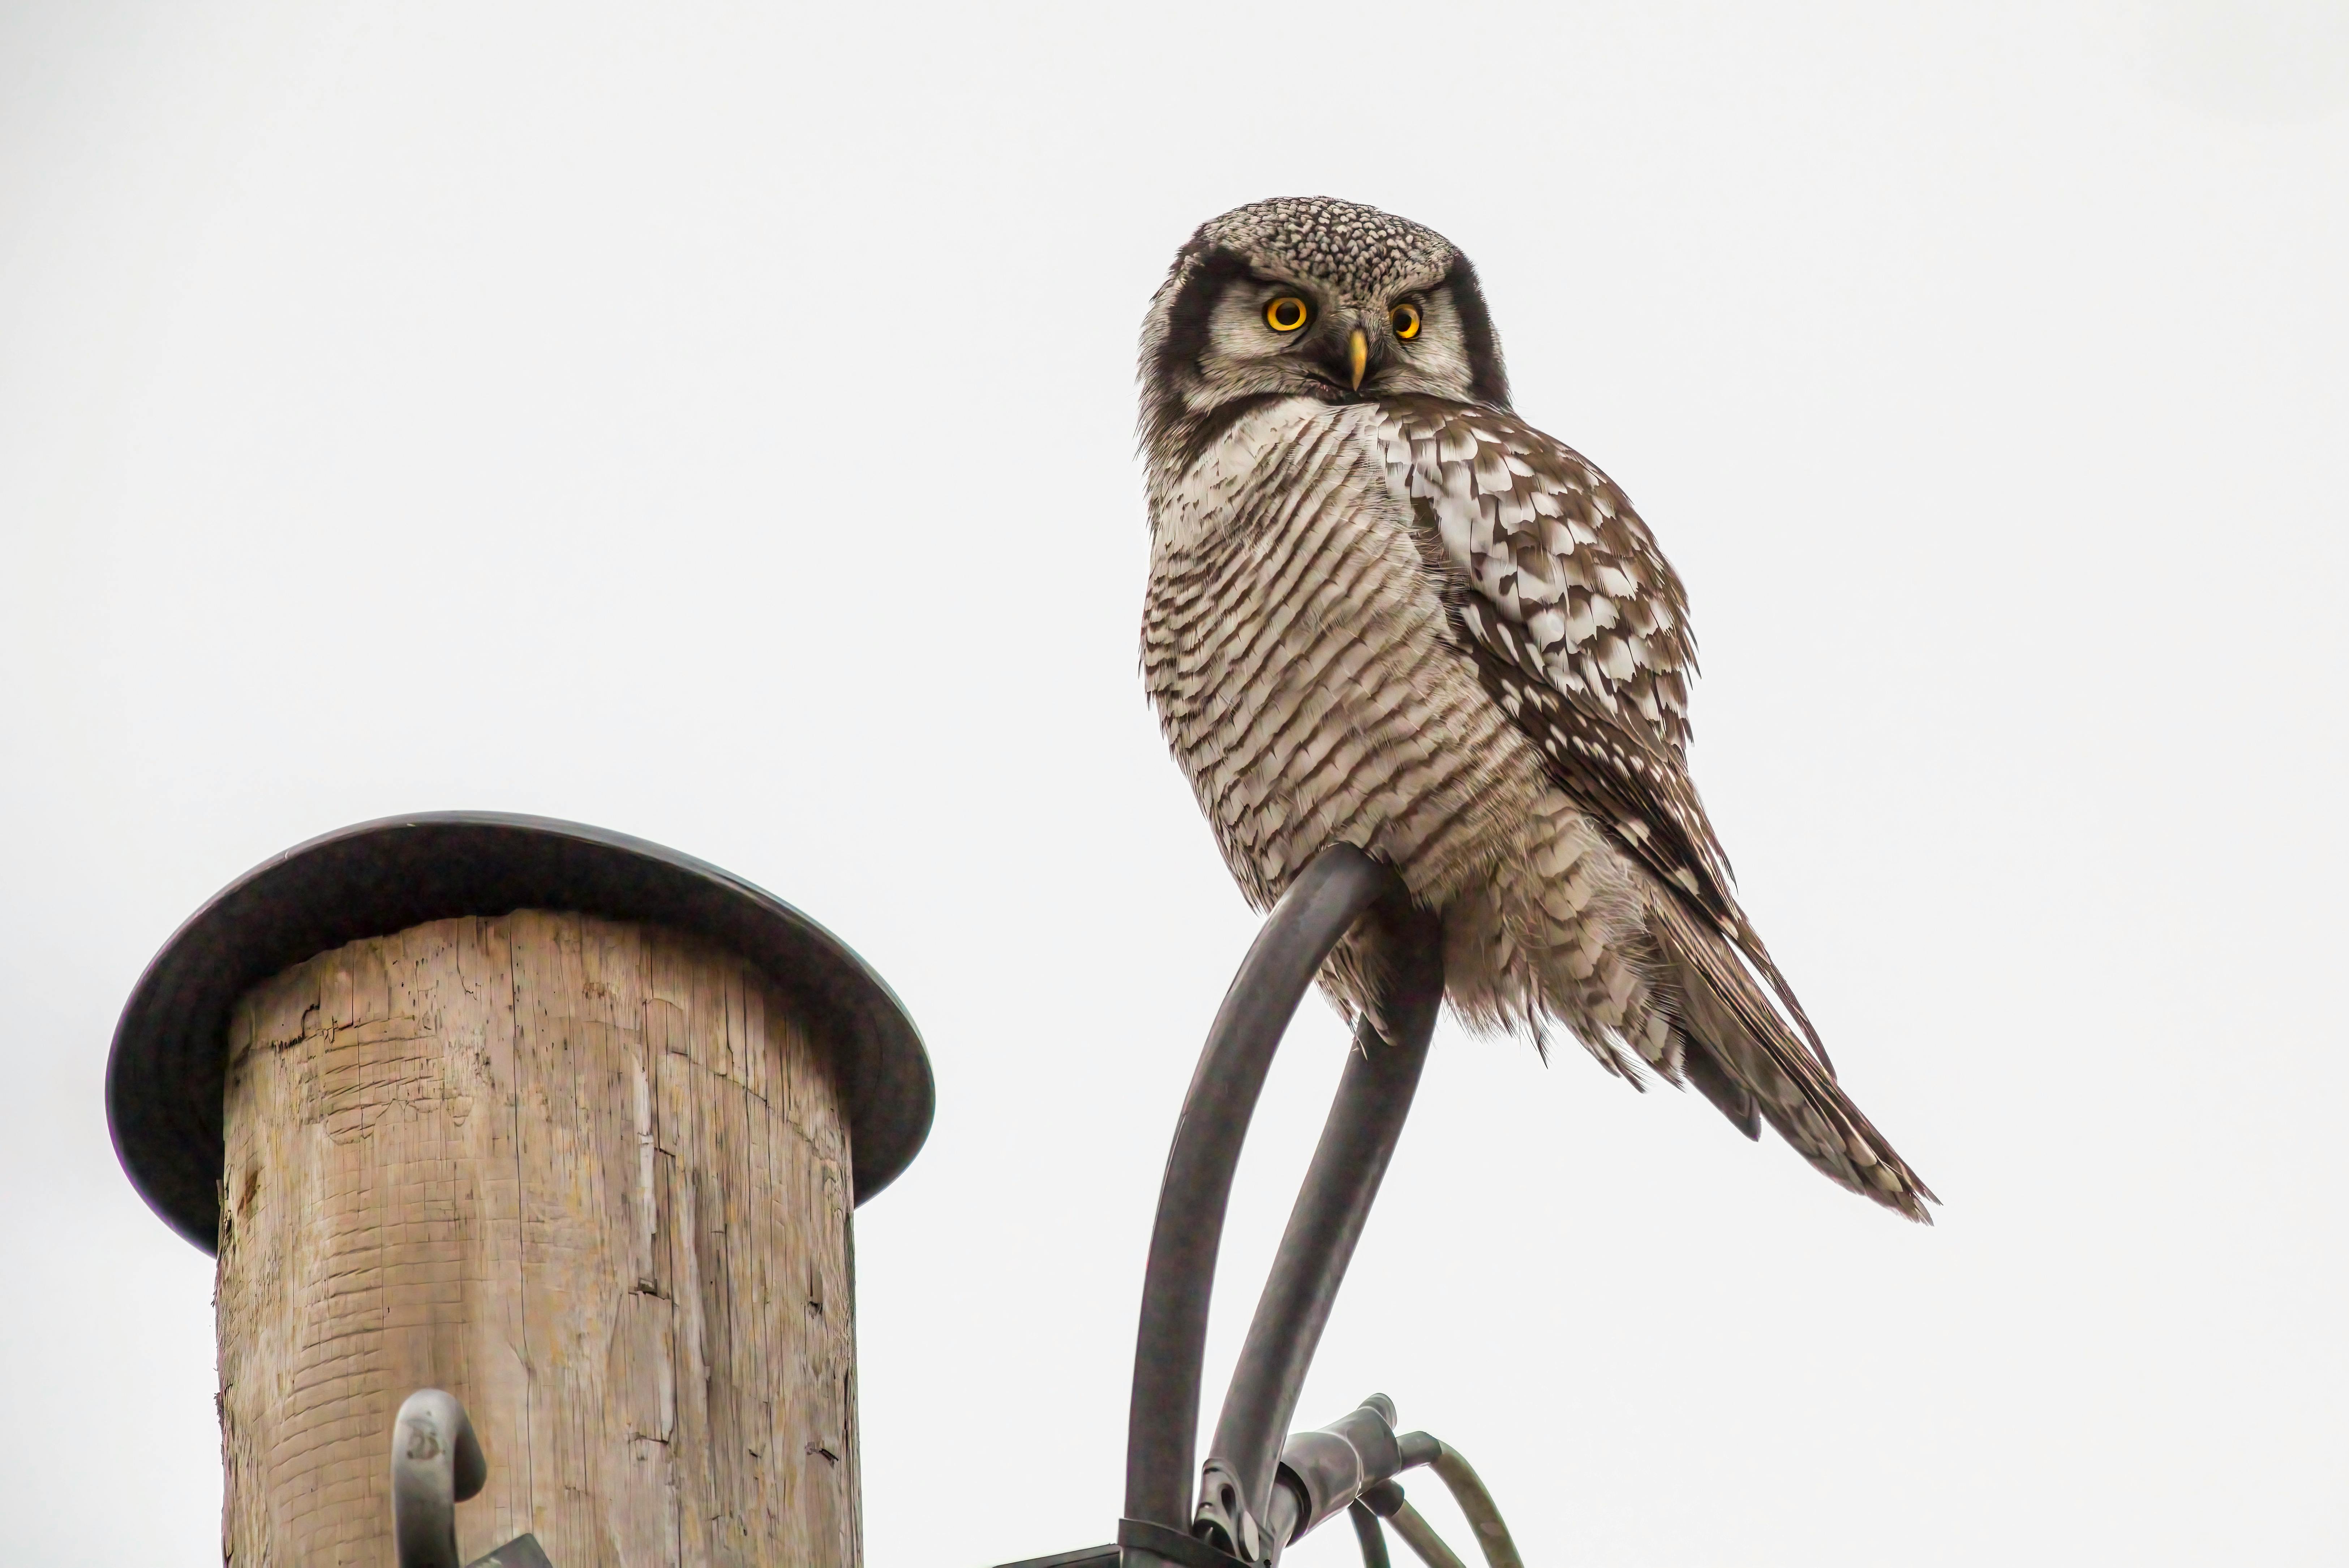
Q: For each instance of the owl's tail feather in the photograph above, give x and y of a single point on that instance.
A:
(1749, 1062)
(1713, 1080)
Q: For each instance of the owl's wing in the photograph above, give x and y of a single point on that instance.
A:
(1580, 629)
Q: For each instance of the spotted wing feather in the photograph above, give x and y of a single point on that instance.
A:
(1579, 630)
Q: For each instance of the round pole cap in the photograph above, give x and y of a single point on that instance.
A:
(166, 1073)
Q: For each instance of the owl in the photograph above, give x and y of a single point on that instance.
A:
(1386, 610)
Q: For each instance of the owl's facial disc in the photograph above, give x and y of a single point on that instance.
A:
(1311, 297)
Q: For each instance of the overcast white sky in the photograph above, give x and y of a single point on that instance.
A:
(715, 424)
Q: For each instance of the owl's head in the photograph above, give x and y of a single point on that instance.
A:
(1309, 296)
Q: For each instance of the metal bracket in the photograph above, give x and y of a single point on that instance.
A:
(522, 1552)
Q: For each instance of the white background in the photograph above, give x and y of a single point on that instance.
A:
(715, 424)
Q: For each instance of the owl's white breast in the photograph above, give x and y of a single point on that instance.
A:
(1299, 657)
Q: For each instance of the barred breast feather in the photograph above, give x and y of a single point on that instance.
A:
(1424, 628)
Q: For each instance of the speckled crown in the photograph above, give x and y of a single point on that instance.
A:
(1359, 250)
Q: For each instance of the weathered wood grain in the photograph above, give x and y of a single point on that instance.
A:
(591, 1178)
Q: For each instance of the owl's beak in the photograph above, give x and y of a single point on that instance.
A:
(1358, 356)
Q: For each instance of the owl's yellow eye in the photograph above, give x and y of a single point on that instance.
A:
(1406, 322)
(1285, 313)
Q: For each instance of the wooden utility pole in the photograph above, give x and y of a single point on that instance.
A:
(591, 1175)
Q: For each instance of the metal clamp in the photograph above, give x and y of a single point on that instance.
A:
(1351, 1466)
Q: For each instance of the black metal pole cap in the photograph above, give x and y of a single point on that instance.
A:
(165, 1076)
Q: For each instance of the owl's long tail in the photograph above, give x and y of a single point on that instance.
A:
(1743, 1056)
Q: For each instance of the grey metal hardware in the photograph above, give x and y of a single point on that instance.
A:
(1385, 1501)
(436, 1463)
(522, 1552)
(1366, 1119)
(1325, 1470)
(1341, 887)
(1319, 907)
(1368, 1535)
(1257, 1493)
(1468, 1490)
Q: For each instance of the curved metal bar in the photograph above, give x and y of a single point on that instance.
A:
(1162, 1422)
(1421, 1537)
(1368, 1535)
(435, 1463)
(1483, 1516)
(1374, 1096)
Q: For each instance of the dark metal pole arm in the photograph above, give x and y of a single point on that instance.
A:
(1366, 1121)
(1368, 1535)
(1320, 906)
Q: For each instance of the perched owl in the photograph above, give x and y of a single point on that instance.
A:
(1386, 610)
